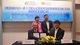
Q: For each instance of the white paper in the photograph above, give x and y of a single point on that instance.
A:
(28, 42)
(66, 41)
(42, 35)
(36, 35)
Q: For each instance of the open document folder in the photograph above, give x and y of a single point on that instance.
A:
(39, 35)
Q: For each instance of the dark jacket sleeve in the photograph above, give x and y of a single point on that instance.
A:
(61, 35)
(51, 25)
(43, 27)
(30, 35)
(52, 32)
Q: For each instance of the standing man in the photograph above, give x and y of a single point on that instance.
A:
(57, 31)
(46, 25)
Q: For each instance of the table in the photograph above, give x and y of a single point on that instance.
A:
(20, 43)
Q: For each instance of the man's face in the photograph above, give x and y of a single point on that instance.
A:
(46, 17)
(56, 25)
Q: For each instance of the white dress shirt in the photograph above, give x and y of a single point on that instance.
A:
(47, 25)
(56, 30)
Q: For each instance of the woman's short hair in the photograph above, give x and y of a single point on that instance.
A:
(36, 17)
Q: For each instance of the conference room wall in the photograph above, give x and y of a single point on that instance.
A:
(78, 24)
(77, 1)
(0, 24)
(25, 26)
(77, 20)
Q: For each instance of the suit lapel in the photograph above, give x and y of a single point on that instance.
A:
(45, 24)
(58, 32)
(32, 31)
(54, 31)
(49, 24)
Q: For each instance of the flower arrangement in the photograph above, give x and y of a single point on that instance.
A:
(47, 39)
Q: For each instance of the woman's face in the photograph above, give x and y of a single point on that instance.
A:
(37, 19)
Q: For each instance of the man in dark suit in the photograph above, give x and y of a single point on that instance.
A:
(46, 25)
(34, 30)
(57, 31)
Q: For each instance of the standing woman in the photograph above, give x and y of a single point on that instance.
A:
(38, 24)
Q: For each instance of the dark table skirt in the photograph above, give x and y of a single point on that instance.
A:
(74, 43)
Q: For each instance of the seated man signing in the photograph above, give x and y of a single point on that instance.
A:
(32, 31)
(57, 31)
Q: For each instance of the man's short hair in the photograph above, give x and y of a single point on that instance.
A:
(36, 17)
(57, 22)
(45, 15)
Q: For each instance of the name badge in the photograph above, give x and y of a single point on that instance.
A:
(28, 42)
(66, 41)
